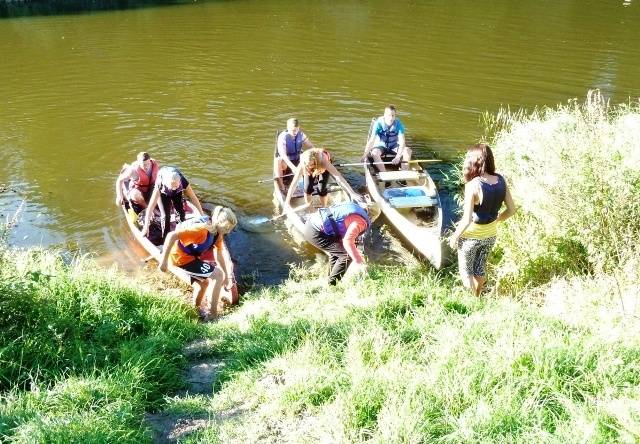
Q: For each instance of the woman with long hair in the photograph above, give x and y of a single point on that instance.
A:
(484, 193)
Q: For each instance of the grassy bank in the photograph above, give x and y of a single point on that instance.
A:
(83, 352)
(404, 355)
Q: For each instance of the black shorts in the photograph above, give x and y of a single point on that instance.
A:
(198, 269)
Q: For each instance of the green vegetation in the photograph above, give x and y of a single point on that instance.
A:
(83, 354)
(550, 354)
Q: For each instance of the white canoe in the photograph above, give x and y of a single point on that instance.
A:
(295, 220)
(155, 252)
(413, 210)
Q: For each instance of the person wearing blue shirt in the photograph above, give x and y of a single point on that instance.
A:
(387, 140)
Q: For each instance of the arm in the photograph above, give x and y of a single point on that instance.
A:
(153, 201)
(282, 152)
(168, 243)
(402, 146)
(340, 179)
(222, 261)
(467, 215)
(126, 174)
(294, 185)
(511, 207)
(307, 142)
(369, 145)
(193, 198)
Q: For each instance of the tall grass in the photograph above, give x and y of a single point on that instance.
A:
(574, 172)
(407, 356)
(83, 354)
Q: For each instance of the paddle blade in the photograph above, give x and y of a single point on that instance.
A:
(256, 224)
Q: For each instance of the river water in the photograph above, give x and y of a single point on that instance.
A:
(204, 86)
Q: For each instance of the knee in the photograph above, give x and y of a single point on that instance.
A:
(466, 281)
(217, 274)
(376, 153)
(135, 195)
(200, 285)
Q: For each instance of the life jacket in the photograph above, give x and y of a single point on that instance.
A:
(492, 197)
(196, 250)
(389, 134)
(144, 182)
(331, 220)
(293, 146)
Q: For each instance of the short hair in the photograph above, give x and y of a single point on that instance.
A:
(391, 107)
(478, 160)
(143, 155)
(223, 217)
(293, 122)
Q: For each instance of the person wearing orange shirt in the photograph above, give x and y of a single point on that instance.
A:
(335, 230)
(195, 246)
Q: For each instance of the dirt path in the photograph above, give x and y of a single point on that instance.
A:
(200, 377)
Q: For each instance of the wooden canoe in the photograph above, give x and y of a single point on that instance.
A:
(155, 252)
(414, 209)
(295, 220)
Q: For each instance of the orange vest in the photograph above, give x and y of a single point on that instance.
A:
(144, 182)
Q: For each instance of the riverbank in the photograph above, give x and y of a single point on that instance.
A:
(548, 354)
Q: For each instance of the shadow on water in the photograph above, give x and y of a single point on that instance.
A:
(26, 8)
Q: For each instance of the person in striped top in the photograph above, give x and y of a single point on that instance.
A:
(484, 193)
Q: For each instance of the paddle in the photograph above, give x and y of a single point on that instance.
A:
(386, 163)
(274, 178)
(261, 223)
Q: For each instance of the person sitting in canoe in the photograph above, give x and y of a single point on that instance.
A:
(290, 143)
(142, 176)
(195, 246)
(315, 165)
(334, 230)
(387, 141)
(169, 188)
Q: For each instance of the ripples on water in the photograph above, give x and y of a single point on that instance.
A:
(205, 87)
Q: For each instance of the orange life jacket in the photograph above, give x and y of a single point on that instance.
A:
(144, 182)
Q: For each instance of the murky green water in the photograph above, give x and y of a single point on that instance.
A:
(204, 86)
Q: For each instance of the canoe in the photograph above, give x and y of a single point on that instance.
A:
(295, 220)
(155, 252)
(414, 209)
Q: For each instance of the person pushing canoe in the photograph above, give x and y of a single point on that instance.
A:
(195, 246)
(334, 230)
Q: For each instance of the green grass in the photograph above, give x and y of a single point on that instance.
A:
(83, 353)
(404, 355)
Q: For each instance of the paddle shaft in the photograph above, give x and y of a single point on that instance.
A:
(386, 163)
(284, 213)
(274, 178)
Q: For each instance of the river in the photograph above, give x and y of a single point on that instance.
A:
(205, 85)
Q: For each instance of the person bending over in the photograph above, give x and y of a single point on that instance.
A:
(196, 247)
(315, 165)
(168, 192)
(334, 230)
(484, 193)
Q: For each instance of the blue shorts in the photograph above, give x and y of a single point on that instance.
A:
(472, 255)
